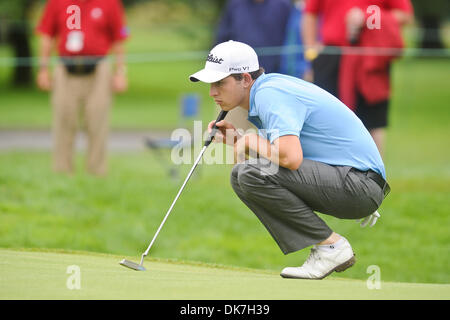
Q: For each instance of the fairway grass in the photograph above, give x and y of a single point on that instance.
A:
(35, 274)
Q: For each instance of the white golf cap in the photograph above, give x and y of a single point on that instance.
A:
(227, 58)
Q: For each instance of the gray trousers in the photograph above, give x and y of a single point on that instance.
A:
(285, 201)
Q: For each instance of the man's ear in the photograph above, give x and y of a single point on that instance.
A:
(247, 79)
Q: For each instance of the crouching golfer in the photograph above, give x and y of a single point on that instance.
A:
(326, 159)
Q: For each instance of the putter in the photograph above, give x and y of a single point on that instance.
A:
(140, 266)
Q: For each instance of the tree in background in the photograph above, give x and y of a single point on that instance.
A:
(431, 15)
(15, 31)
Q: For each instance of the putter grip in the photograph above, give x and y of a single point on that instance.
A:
(221, 116)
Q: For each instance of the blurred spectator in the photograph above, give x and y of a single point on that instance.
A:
(258, 23)
(293, 62)
(345, 23)
(83, 81)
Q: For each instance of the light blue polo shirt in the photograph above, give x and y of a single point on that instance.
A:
(329, 131)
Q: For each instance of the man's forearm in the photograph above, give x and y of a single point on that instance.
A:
(45, 51)
(309, 30)
(254, 145)
(286, 151)
(119, 52)
(309, 34)
(402, 17)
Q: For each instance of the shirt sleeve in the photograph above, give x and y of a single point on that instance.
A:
(313, 6)
(279, 113)
(119, 30)
(404, 5)
(47, 25)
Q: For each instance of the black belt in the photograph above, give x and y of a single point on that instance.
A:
(379, 181)
(80, 65)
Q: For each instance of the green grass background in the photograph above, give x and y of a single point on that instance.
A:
(120, 213)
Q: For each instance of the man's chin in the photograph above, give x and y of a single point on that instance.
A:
(226, 107)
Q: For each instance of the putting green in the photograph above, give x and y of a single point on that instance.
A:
(30, 274)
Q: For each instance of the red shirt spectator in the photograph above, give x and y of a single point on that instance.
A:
(362, 82)
(333, 28)
(85, 31)
(368, 74)
(84, 27)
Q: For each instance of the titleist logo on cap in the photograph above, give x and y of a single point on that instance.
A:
(227, 58)
(214, 59)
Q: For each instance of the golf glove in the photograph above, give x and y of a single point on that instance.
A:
(370, 220)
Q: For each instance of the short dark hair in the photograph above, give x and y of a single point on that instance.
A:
(253, 74)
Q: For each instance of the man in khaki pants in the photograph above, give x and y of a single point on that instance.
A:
(83, 80)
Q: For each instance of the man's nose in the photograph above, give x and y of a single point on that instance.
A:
(212, 91)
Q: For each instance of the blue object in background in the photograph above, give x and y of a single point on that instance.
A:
(259, 24)
(190, 105)
(294, 63)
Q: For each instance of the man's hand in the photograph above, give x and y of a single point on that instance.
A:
(44, 80)
(370, 220)
(354, 23)
(120, 82)
(227, 133)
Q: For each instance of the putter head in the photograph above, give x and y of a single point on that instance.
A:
(132, 265)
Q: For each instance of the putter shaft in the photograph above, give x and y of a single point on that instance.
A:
(173, 203)
(221, 116)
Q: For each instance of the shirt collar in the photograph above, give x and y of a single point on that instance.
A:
(252, 108)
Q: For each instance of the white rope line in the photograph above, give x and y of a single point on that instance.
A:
(155, 57)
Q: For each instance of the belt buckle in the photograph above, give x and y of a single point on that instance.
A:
(79, 66)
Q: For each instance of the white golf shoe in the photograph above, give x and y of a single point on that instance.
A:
(321, 262)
